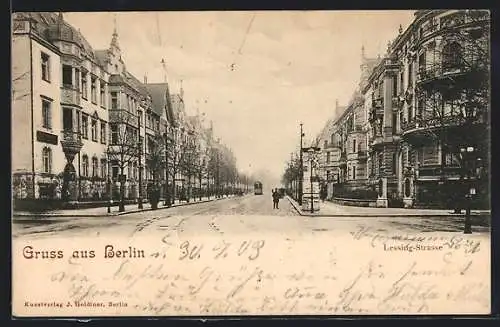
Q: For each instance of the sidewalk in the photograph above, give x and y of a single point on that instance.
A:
(103, 211)
(329, 209)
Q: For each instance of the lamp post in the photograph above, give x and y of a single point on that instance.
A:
(108, 178)
(467, 153)
(301, 169)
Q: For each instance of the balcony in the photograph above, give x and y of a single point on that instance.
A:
(419, 125)
(444, 76)
(71, 142)
(123, 116)
(362, 155)
(455, 20)
(356, 129)
(435, 172)
(70, 96)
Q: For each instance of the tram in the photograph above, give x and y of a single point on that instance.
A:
(257, 188)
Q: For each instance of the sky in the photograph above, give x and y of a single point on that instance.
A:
(256, 75)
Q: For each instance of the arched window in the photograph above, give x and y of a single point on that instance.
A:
(452, 55)
(47, 160)
(85, 165)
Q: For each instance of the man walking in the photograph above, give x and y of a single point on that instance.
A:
(276, 199)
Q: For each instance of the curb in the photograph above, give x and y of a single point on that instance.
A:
(113, 214)
(305, 214)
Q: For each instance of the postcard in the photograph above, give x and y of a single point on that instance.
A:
(243, 163)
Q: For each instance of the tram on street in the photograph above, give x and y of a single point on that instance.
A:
(257, 188)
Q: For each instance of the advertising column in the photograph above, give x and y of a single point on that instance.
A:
(310, 182)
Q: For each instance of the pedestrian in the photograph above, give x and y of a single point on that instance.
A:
(276, 199)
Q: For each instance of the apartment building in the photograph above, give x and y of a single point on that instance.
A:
(421, 115)
(59, 111)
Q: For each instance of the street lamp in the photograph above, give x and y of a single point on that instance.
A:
(108, 177)
(466, 153)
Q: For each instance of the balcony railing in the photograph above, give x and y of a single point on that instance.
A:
(438, 170)
(71, 141)
(434, 122)
(362, 154)
(70, 95)
(454, 20)
(444, 70)
(123, 116)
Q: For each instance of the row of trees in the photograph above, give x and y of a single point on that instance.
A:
(205, 166)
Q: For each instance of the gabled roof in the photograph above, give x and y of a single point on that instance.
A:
(160, 97)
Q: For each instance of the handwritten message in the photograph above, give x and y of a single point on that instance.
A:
(364, 272)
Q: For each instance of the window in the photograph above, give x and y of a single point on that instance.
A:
(103, 132)
(114, 133)
(452, 56)
(394, 86)
(115, 170)
(354, 145)
(328, 157)
(84, 86)
(85, 165)
(394, 163)
(95, 167)
(394, 122)
(114, 100)
(103, 168)
(422, 62)
(76, 84)
(93, 89)
(353, 172)
(47, 160)
(103, 94)
(135, 170)
(45, 67)
(93, 129)
(67, 76)
(410, 74)
(451, 159)
(380, 163)
(46, 113)
(85, 126)
(401, 82)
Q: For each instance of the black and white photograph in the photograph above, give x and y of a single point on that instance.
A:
(246, 163)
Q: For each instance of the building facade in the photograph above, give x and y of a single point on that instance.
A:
(59, 111)
(423, 115)
(85, 128)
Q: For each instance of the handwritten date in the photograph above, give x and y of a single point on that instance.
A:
(248, 248)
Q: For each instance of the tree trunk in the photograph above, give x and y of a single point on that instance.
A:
(121, 206)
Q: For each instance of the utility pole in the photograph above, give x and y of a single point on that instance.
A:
(301, 170)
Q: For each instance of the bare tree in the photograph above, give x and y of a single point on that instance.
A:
(124, 146)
